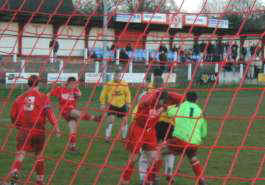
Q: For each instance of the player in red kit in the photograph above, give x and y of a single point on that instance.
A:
(68, 96)
(28, 114)
(142, 133)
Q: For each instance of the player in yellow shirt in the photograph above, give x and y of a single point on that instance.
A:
(116, 99)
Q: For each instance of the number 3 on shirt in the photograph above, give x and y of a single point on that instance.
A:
(191, 112)
(29, 103)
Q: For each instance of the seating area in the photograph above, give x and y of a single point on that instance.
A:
(136, 55)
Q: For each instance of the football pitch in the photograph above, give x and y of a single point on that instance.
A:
(235, 141)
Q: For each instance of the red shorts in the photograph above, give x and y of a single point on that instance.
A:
(30, 142)
(177, 146)
(139, 138)
(67, 114)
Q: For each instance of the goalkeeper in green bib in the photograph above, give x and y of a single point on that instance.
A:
(190, 130)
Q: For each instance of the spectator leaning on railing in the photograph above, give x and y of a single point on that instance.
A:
(54, 45)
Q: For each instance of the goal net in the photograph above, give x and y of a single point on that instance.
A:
(214, 48)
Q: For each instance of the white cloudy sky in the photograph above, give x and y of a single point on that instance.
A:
(189, 5)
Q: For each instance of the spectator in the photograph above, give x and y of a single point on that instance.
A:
(234, 49)
(124, 56)
(162, 48)
(182, 57)
(196, 51)
(163, 61)
(243, 52)
(202, 46)
(210, 52)
(219, 51)
(252, 50)
(128, 47)
(174, 48)
(54, 45)
(112, 48)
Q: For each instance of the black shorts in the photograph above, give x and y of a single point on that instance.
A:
(164, 130)
(117, 111)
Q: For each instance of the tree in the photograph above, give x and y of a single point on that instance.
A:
(237, 11)
(125, 6)
(213, 8)
(161, 6)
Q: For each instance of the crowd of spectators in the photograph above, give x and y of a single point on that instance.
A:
(206, 51)
(203, 51)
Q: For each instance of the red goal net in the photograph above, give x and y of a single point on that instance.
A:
(214, 48)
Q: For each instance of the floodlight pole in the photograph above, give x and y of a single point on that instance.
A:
(105, 43)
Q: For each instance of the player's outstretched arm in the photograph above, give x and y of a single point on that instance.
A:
(128, 96)
(77, 93)
(13, 112)
(53, 120)
(104, 94)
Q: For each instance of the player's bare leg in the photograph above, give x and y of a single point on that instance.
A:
(142, 165)
(154, 163)
(76, 115)
(169, 160)
(72, 136)
(15, 168)
(80, 115)
(124, 128)
(197, 169)
(108, 131)
(39, 168)
(127, 173)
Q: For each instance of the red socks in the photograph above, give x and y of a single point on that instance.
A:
(16, 165)
(128, 172)
(73, 138)
(40, 167)
(86, 117)
(197, 168)
(155, 169)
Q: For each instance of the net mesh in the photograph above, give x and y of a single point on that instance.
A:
(62, 38)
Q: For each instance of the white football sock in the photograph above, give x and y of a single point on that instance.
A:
(169, 163)
(143, 165)
(124, 131)
(108, 130)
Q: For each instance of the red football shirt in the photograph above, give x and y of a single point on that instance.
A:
(148, 102)
(67, 97)
(30, 110)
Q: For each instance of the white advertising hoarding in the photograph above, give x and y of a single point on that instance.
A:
(169, 77)
(127, 77)
(18, 78)
(60, 77)
(156, 18)
(133, 77)
(134, 18)
(175, 21)
(93, 77)
(215, 23)
(196, 20)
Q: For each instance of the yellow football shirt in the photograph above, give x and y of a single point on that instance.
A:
(116, 94)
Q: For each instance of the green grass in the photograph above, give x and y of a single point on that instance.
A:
(232, 133)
